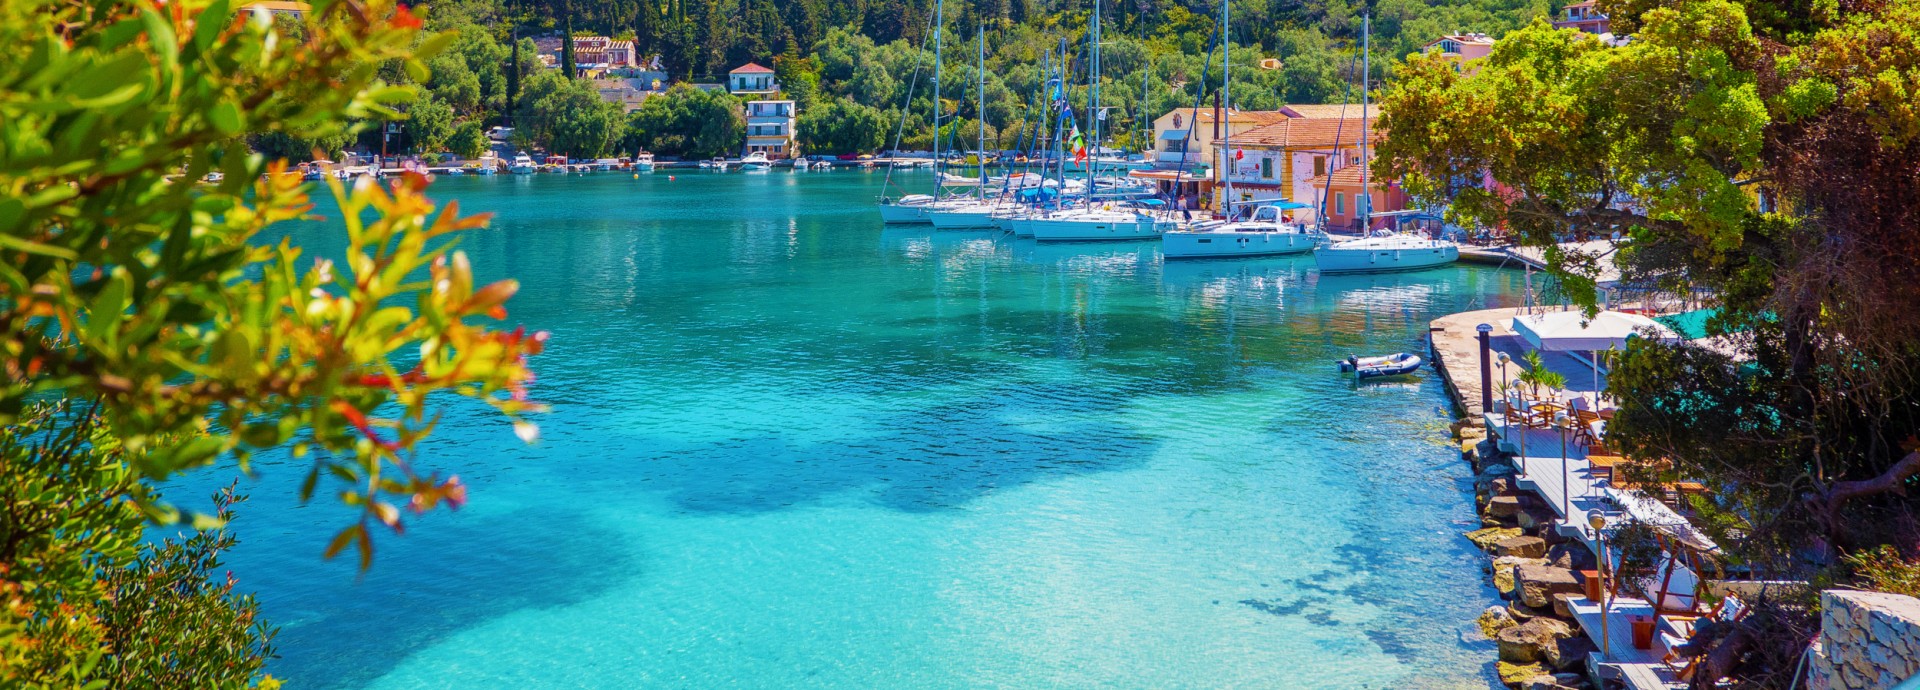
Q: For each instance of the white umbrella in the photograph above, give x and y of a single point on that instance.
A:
(1572, 331)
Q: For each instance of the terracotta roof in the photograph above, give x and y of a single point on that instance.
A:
(751, 68)
(1347, 176)
(1259, 117)
(1305, 132)
(1318, 111)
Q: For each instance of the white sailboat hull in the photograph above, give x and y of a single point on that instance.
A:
(1101, 228)
(903, 213)
(963, 218)
(1378, 260)
(1204, 245)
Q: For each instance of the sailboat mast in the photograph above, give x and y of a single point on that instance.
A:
(1366, 192)
(1093, 105)
(980, 111)
(1226, 87)
(938, 22)
(1060, 119)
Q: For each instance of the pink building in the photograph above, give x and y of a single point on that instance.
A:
(1461, 49)
(1582, 16)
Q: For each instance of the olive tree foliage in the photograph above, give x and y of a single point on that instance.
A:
(1767, 153)
(130, 282)
(841, 126)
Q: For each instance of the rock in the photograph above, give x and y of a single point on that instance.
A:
(1488, 537)
(1522, 546)
(1495, 619)
(1491, 522)
(1532, 641)
(1569, 652)
(1572, 680)
(1572, 556)
(1546, 683)
(1535, 519)
(1503, 568)
(1518, 675)
(1503, 506)
(1538, 584)
(1563, 603)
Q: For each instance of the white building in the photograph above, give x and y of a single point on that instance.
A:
(751, 78)
(770, 129)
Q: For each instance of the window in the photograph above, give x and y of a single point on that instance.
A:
(1266, 168)
(1340, 203)
(1319, 165)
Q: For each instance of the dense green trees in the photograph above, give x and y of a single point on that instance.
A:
(841, 126)
(566, 116)
(687, 122)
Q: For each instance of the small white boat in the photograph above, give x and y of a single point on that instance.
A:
(1391, 252)
(1265, 235)
(522, 165)
(1398, 364)
(755, 162)
(1097, 224)
(643, 162)
(717, 164)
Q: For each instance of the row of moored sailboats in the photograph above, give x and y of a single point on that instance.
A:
(1096, 208)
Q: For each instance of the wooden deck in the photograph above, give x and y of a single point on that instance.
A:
(1571, 488)
(1640, 669)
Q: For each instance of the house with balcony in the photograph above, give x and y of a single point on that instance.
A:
(750, 79)
(1183, 137)
(1341, 192)
(1461, 49)
(1282, 159)
(1583, 17)
(770, 129)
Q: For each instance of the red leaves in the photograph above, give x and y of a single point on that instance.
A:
(403, 19)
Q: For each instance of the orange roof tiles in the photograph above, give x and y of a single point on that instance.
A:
(1302, 133)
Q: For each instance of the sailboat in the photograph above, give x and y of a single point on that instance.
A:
(1385, 251)
(1095, 222)
(913, 208)
(1267, 233)
(977, 213)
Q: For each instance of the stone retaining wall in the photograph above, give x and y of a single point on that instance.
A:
(1868, 641)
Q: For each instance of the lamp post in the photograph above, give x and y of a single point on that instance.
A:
(1599, 523)
(1504, 359)
(1561, 423)
(1486, 366)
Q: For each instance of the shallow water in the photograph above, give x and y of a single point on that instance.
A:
(792, 448)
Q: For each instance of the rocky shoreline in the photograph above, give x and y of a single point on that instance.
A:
(1535, 570)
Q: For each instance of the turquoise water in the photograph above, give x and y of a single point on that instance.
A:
(791, 448)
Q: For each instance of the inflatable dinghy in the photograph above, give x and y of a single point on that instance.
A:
(1375, 367)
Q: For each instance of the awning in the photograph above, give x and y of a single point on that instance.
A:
(1174, 135)
(1572, 331)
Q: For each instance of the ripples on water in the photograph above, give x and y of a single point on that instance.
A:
(792, 448)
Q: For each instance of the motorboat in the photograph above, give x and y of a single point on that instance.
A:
(718, 164)
(756, 162)
(1386, 252)
(1265, 235)
(1097, 224)
(522, 165)
(643, 162)
(1397, 364)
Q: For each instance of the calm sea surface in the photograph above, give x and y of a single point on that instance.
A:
(791, 448)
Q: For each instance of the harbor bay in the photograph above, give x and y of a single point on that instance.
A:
(793, 447)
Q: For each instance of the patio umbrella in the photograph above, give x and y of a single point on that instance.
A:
(1572, 331)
